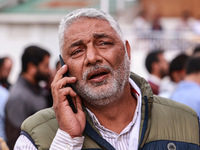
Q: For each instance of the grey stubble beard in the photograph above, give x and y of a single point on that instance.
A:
(114, 92)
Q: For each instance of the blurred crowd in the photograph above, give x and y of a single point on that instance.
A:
(178, 79)
(29, 94)
(155, 31)
(186, 22)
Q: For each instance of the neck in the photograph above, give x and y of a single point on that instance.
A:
(118, 115)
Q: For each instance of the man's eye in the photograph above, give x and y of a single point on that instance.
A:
(76, 52)
(104, 43)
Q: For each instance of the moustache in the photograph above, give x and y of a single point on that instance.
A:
(95, 68)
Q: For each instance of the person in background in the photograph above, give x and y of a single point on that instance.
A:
(4, 93)
(188, 90)
(196, 51)
(26, 96)
(156, 23)
(177, 71)
(157, 66)
(5, 68)
(141, 25)
(58, 65)
(113, 108)
(186, 22)
(3, 145)
(48, 85)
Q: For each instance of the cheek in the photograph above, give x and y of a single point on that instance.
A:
(117, 58)
(75, 69)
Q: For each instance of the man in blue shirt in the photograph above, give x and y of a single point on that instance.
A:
(3, 99)
(188, 90)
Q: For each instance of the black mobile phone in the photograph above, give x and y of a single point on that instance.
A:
(69, 98)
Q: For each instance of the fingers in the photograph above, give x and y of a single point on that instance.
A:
(60, 81)
(61, 104)
(59, 95)
(63, 101)
(60, 73)
(59, 91)
(72, 123)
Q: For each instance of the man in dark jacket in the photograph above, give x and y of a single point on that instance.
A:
(26, 96)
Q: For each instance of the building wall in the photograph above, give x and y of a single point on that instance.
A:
(171, 8)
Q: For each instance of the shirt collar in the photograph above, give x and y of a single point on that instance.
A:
(138, 95)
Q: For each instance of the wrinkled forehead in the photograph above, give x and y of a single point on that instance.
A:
(69, 20)
(89, 29)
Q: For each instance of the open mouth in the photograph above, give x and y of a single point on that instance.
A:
(98, 74)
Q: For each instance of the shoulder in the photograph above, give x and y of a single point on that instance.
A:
(40, 118)
(42, 127)
(175, 121)
(168, 105)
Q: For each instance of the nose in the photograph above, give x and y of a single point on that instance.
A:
(92, 56)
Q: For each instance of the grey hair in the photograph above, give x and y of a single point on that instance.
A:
(86, 13)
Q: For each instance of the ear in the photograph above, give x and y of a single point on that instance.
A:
(128, 49)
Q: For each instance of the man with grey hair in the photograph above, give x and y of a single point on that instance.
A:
(114, 109)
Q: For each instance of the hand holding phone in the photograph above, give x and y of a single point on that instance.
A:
(71, 118)
(69, 98)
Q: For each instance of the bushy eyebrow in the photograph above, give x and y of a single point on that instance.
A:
(76, 43)
(103, 35)
(95, 35)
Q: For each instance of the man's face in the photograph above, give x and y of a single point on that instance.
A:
(163, 65)
(96, 56)
(6, 68)
(43, 70)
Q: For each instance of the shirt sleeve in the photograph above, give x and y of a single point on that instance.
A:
(63, 141)
(23, 143)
